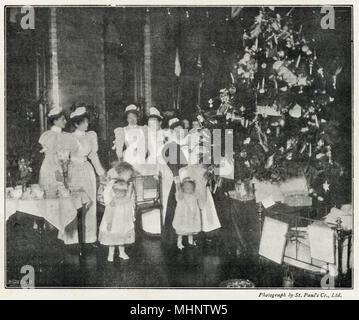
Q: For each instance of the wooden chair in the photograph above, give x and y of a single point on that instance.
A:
(148, 191)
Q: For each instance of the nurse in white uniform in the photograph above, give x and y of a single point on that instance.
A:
(156, 138)
(53, 141)
(85, 165)
(130, 141)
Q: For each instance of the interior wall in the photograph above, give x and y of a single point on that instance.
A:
(81, 59)
(80, 56)
(25, 80)
(97, 53)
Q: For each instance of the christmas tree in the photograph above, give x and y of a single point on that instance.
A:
(278, 105)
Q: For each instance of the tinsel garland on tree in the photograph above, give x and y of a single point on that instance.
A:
(278, 106)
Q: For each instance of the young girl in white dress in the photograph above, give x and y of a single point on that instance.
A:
(117, 226)
(187, 219)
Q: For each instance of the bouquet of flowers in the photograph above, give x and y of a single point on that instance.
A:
(25, 172)
(64, 161)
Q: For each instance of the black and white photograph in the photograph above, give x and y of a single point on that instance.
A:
(195, 147)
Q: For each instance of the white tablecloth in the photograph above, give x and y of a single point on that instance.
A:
(58, 211)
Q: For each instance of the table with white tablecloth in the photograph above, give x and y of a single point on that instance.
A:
(59, 212)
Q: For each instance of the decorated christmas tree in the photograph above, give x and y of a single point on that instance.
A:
(278, 105)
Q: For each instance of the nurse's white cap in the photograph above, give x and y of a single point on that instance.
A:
(131, 108)
(155, 113)
(172, 123)
(79, 111)
(54, 111)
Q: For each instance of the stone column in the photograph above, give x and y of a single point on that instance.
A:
(147, 63)
(54, 97)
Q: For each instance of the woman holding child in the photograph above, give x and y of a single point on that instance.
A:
(189, 195)
(175, 159)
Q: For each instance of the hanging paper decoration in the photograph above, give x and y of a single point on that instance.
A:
(177, 64)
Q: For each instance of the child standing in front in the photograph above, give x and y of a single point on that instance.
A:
(117, 226)
(187, 219)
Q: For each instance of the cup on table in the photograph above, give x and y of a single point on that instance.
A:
(37, 191)
(63, 192)
(9, 192)
(27, 194)
(17, 192)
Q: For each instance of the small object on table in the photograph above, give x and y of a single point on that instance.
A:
(237, 283)
(297, 199)
(9, 192)
(244, 190)
(37, 192)
(63, 192)
(26, 195)
(17, 192)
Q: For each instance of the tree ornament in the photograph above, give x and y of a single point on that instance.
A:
(270, 161)
(232, 90)
(247, 140)
(296, 111)
(280, 54)
(337, 72)
(303, 148)
(210, 101)
(320, 143)
(329, 154)
(326, 186)
(305, 48)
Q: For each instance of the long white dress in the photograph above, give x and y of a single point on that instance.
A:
(196, 171)
(187, 219)
(117, 226)
(133, 139)
(84, 148)
(52, 141)
(209, 214)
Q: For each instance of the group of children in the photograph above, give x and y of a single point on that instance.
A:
(117, 227)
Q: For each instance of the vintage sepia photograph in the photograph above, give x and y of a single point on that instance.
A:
(178, 147)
